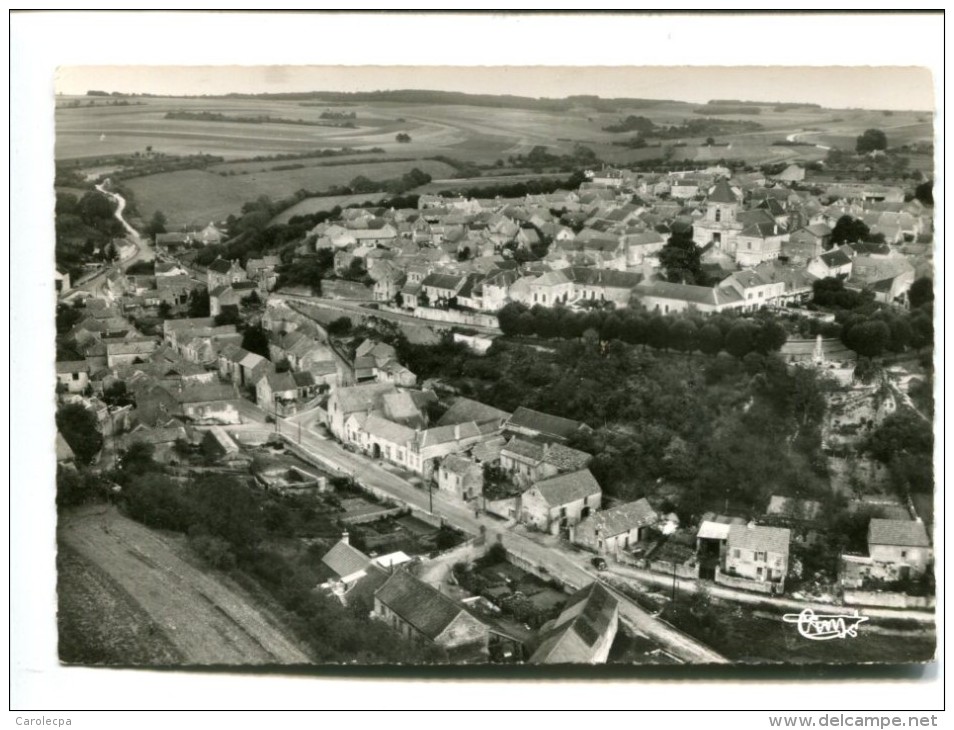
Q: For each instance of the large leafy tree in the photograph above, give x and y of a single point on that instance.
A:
(681, 259)
(849, 230)
(81, 431)
(921, 292)
(872, 140)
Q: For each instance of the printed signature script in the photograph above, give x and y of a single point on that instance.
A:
(823, 626)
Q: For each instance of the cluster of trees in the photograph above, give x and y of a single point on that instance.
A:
(205, 116)
(684, 333)
(852, 230)
(83, 226)
(632, 123)
(831, 292)
(904, 441)
(232, 526)
(402, 137)
(871, 140)
(540, 157)
(722, 428)
(395, 186)
(885, 330)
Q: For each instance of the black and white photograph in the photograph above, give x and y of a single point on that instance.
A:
(616, 367)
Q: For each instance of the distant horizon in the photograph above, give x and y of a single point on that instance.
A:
(889, 88)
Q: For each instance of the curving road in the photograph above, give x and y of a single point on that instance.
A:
(144, 251)
(570, 568)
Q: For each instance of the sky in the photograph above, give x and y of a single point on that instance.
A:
(835, 87)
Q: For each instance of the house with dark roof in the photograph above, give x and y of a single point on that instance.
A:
(531, 460)
(222, 273)
(899, 549)
(442, 287)
(352, 575)
(583, 632)
(532, 423)
(836, 262)
(617, 528)
(758, 555)
(465, 409)
(561, 501)
(72, 376)
(421, 613)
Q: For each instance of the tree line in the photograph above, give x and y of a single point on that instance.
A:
(684, 333)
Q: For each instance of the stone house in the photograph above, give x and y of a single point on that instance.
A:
(461, 477)
(616, 529)
(899, 549)
(422, 613)
(583, 632)
(223, 273)
(757, 553)
(561, 501)
(530, 461)
(73, 376)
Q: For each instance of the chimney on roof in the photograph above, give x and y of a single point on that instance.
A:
(457, 432)
(345, 538)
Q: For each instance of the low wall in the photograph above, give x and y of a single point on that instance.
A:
(746, 585)
(466, 552)
(683, 570)
(888, 599)
(373, 516)
(424, 516)
(450, 316)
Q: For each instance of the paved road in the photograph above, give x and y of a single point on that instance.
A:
(144, 252)
(567, 567)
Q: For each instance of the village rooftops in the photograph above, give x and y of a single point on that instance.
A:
(425, 608)
(723, 193)
(585, 619)
(624, 518)
(543, 423)
(363, 397)
(759, 538)
(345, 560)
(465, 409)
(568, 488)
(905, 533)
(836, 257)
(689, 293)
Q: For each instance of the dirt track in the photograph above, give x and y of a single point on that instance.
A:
(206, 620)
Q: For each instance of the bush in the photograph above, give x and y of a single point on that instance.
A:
(213, 550)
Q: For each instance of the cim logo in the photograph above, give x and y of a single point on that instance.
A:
(822, 627)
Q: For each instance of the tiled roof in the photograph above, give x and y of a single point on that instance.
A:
(543, 423)
(345, 560)
(389, 431)
(585, 619)
(423, 607)
(759, 537)
(623, 518)
(837, 257)
(465, 409)
(722, 193)
(904, 533)
(362, 397)
(567, 488)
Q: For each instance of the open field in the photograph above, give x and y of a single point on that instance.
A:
(187, 615)
(478, 134)
(200, 196)
(100, 623)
